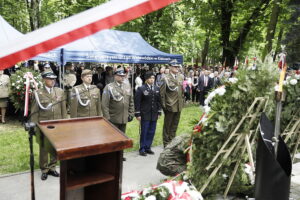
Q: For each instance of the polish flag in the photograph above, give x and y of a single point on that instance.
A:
(236, 64)
(282, 61)
(86, 23)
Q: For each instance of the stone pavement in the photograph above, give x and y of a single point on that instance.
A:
(138, 172)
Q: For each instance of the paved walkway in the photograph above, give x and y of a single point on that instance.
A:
(138, 172)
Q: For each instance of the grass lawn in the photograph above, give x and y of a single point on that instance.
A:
(14, 145)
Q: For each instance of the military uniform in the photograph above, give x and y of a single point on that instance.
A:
(147, 106)
(172, 160)
(41, 109)
(117, 104)
(172, 101)
(85, 101)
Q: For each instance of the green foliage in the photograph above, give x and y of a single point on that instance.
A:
(18, 88)
(226, 112)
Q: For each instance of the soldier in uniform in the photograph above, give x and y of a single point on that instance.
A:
(86, 98)
(117, 101)
(147, 110)
(48, 104)
(172, 98)
(69, 81)
(4, 93)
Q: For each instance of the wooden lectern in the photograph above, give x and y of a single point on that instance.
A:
(90, 151)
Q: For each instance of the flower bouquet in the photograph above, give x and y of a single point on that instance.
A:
(18, 87)
(169, 190)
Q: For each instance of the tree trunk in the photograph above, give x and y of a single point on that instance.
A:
(205, 49)
(278, 47)
(271, 28)
(232, 48)
(33, 8)
(226, 14)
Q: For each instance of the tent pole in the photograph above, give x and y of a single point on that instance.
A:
(61, 75)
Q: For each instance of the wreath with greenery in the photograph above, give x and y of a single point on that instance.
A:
(226, 109)
(18, 87)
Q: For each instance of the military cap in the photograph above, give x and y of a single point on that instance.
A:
(49, 75)
(86, 72)
(148, 75)
(120, 72)
(175, 65)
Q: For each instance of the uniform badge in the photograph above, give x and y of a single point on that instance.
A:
(146, 92)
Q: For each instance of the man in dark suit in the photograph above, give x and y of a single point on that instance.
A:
(147, 110)
(216, 82)
(204, 84)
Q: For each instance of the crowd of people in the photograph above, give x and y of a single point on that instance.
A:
(119, 93)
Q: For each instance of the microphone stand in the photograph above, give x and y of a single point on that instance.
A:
(29, 126)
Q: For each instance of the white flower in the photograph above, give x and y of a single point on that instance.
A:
(13, 84)
(219, 127)
(18, 81)
(284, 82)
(276, 88)
(206, 101)
(233, 80)
(18, 87)
(206, 109)
(195, 195)
(288, 78)
(224, 176)
(151, 198)
(220, 91)
(293, 82)
(297, 76)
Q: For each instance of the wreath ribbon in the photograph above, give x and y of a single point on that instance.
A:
(29, 77)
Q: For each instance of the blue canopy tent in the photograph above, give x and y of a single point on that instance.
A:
(110, 46)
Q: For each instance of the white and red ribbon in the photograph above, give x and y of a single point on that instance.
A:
(29, 78)
(86, 23)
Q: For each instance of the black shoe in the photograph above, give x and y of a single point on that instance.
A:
(44, 176)
(124, 159)
(143, 153)
(53, 173)
(149, 152)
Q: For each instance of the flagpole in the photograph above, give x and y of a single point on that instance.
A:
(279, 98)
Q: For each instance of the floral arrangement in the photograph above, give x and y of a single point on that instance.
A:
(169, 190)
(224, 107)
(18, 88)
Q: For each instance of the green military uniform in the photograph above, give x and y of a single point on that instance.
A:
(172, 160)
(41, 109)
(117, 104)
(172, 96)
(85, 101)
(69, 81)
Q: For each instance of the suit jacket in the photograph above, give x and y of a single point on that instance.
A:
(216, 82)
(92, 109)
(201, 85)
(147, 103)
(171, 93)
(117, 102)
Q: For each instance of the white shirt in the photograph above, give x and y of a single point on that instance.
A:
(49, 90)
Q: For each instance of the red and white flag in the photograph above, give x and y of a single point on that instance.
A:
(282, 62)
(236, 64)
(105, 16)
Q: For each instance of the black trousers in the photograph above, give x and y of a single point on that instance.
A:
(202, 95)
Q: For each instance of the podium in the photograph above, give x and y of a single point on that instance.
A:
(90, 151)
